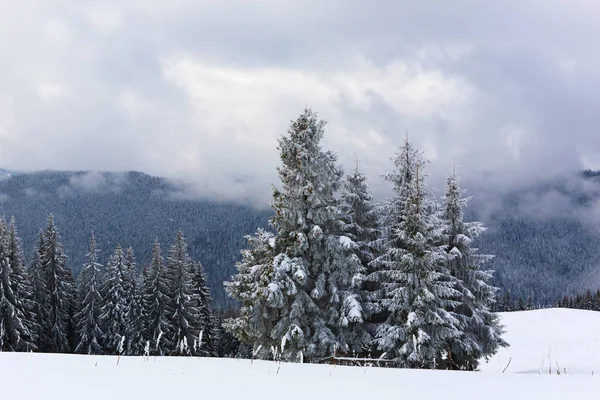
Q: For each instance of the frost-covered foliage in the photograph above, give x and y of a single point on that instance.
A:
(58, 293)
(314, 273)
(259, 306)
(135, 315)
(415, 285)
(480, 327)
(185, 315)
(117, 301)
(89, 301)
(361, 221)
(157, 305)
(361, 225)
(206, 344)
(15, 334)
(39, 294)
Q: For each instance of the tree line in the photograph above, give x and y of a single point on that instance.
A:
(165, 310)
(342, 275)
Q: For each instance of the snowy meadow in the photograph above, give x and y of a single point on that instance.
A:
(569, 336)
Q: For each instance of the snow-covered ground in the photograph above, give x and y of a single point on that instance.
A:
(568, 335)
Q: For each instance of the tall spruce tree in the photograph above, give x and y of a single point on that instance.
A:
(60, 292)
(116, 304)
(480, 327)
(411, 271)
(89, 300)
(260, 308)
(316, 272)
(14, 333)
(185, 314)
(22, 287)
(135, 316)
(207, 346)
(40, 296)
(361, 224)
(157, 305)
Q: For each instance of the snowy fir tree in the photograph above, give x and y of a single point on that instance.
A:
(208, 337)
(89, 300)
(416, 287)
(361, 224)
(59, 290)
(480, 327)
(184, 317)
(116, 302)
(260, 308)
(315, 270)
(14, 332)
(40, 295)
(135, 317)
(22, 286)
(157, 305)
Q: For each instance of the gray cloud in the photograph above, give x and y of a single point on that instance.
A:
(200, 91)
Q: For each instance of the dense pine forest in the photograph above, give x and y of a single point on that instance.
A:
(112, 309)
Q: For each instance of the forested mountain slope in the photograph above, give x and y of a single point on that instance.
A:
(128, 209)
(545, 236)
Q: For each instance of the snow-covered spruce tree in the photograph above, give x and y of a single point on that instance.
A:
(157, 305)
(22, 287)
(116, 302)
(135, 318)
(416, 287)
(14, 333)
(89, 300)
(185, 315)
(361, 224)
(60, 291)
(315, 271)
(260, 308)
(40, 296)
(207, 346)
(480, 326)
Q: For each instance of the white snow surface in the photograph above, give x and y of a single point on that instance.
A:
(571, 336)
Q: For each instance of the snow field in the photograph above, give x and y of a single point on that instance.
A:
(570, 334)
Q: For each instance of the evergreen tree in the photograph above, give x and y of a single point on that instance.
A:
(361, 225)
(416, 285)
(260, 308)
(59, 289)
(481, 329)
(185, 315)
(89, 300)
(360, 216)
(14, 334)
(316, 273)
(116, 305)
(157, 309)
(40, 296)
(135, 316)
(206, 320)
(22, 287)
(529, 305)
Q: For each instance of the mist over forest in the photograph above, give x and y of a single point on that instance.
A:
(544, 235)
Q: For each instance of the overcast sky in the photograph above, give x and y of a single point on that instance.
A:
(200, 90)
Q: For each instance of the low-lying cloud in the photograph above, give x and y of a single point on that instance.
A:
(201, 91)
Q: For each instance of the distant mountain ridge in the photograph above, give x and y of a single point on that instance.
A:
(545, 236)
